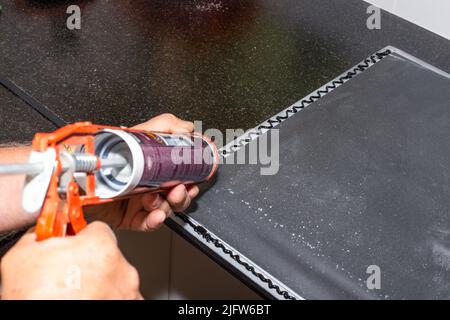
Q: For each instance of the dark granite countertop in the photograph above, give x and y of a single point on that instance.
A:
(231, 64)
(19, 122)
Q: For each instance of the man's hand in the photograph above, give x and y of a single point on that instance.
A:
(144, 212)
(147, 212)
(86, 266)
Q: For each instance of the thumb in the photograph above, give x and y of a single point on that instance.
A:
(98, 229)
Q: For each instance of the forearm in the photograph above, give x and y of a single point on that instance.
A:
(12, 216)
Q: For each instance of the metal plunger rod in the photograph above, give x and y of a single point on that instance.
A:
(21, 168)
(80, 165)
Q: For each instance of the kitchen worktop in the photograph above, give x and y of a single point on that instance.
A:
(231, 64)
(18, 121)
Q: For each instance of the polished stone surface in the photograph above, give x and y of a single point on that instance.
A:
(363, 180)
(18, 122)
(231, 64)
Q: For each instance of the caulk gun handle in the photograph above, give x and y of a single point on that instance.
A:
(59, 219)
